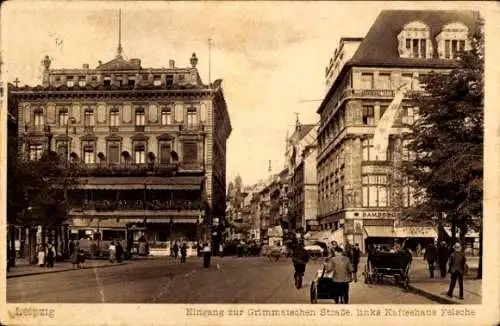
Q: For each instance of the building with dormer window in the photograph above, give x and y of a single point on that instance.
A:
(361, 195)
(153, 142)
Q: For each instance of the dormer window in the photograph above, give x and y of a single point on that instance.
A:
(414, 41)
(452, 40)
(69, 81)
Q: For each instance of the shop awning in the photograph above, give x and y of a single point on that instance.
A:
(415, 232)
(469, 234)
(135, 183)
(380, 231)
(323, 236)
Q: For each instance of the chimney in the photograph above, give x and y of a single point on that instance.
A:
(85, 66)
(135, 61)
(171, 64)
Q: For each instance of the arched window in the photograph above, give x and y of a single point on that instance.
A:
(414, 41)
(452, 40)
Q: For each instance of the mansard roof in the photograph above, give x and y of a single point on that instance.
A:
(380, 45)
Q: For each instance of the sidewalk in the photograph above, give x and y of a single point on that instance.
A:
(23, 268)
(436, 288)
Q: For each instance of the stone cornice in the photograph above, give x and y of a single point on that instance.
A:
(106, 94)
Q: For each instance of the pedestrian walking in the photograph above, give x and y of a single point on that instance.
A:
(74, 254)
(221, 250)
(41, 256)
(51, 255)
(207, 252)
(71, 247)
(119, 252)
(176, 250)
(112, 252)
(431, 255)
(356, 255)
(81, 259)
(457, 270)
(442, 254)
(342, 276)
(183, 252)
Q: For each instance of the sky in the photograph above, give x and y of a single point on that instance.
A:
(271, 56)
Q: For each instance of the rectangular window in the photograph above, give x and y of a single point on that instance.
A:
(157, 80)
(89, 118)
(384, 81)
(166, 116)
(461, 45)
(454, 48)
(81, 81)
(63, 118)
(408, 193)
(38, 118)
(114, 118)
(36, 152)
(165, 150)
(114, 153)
(140, 154)
(190, 152)
(408, 80)
(62, 151)
(69, 81)
(369, 152)
(423, 48)
(366, 81)
(170, 80)
(408, 44)
(415, 48)
(192, 117)
(382, 109)
(368, 115)
(139, 118)
(131, 81)
(88, 154)
(447, 49)
(375, 191)
(107, 80)
(406, 153)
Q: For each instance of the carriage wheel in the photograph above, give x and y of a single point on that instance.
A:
(406, 283)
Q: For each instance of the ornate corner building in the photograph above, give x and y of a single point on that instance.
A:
(152, 142)
(359, 192)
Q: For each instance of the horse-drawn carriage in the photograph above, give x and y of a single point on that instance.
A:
(388, 265)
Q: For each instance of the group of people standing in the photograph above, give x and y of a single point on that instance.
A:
(46, 255)
(116, 252)
(451, 257)
(183, 251)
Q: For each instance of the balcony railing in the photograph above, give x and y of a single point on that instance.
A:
(116, 169)
(133, 205)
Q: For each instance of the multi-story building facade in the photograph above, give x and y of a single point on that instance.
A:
(359, 192)
(346, 49)
(153, 142)
(300, 163)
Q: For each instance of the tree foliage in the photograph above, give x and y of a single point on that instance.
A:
(448, 139)
(36, 189)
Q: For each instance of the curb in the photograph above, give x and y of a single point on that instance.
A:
(63, 270)
(432, 296)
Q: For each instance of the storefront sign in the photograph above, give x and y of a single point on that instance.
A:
(379, 214)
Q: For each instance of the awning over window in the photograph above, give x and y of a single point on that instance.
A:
(126, 183)
(380, 231)
(416, 232)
